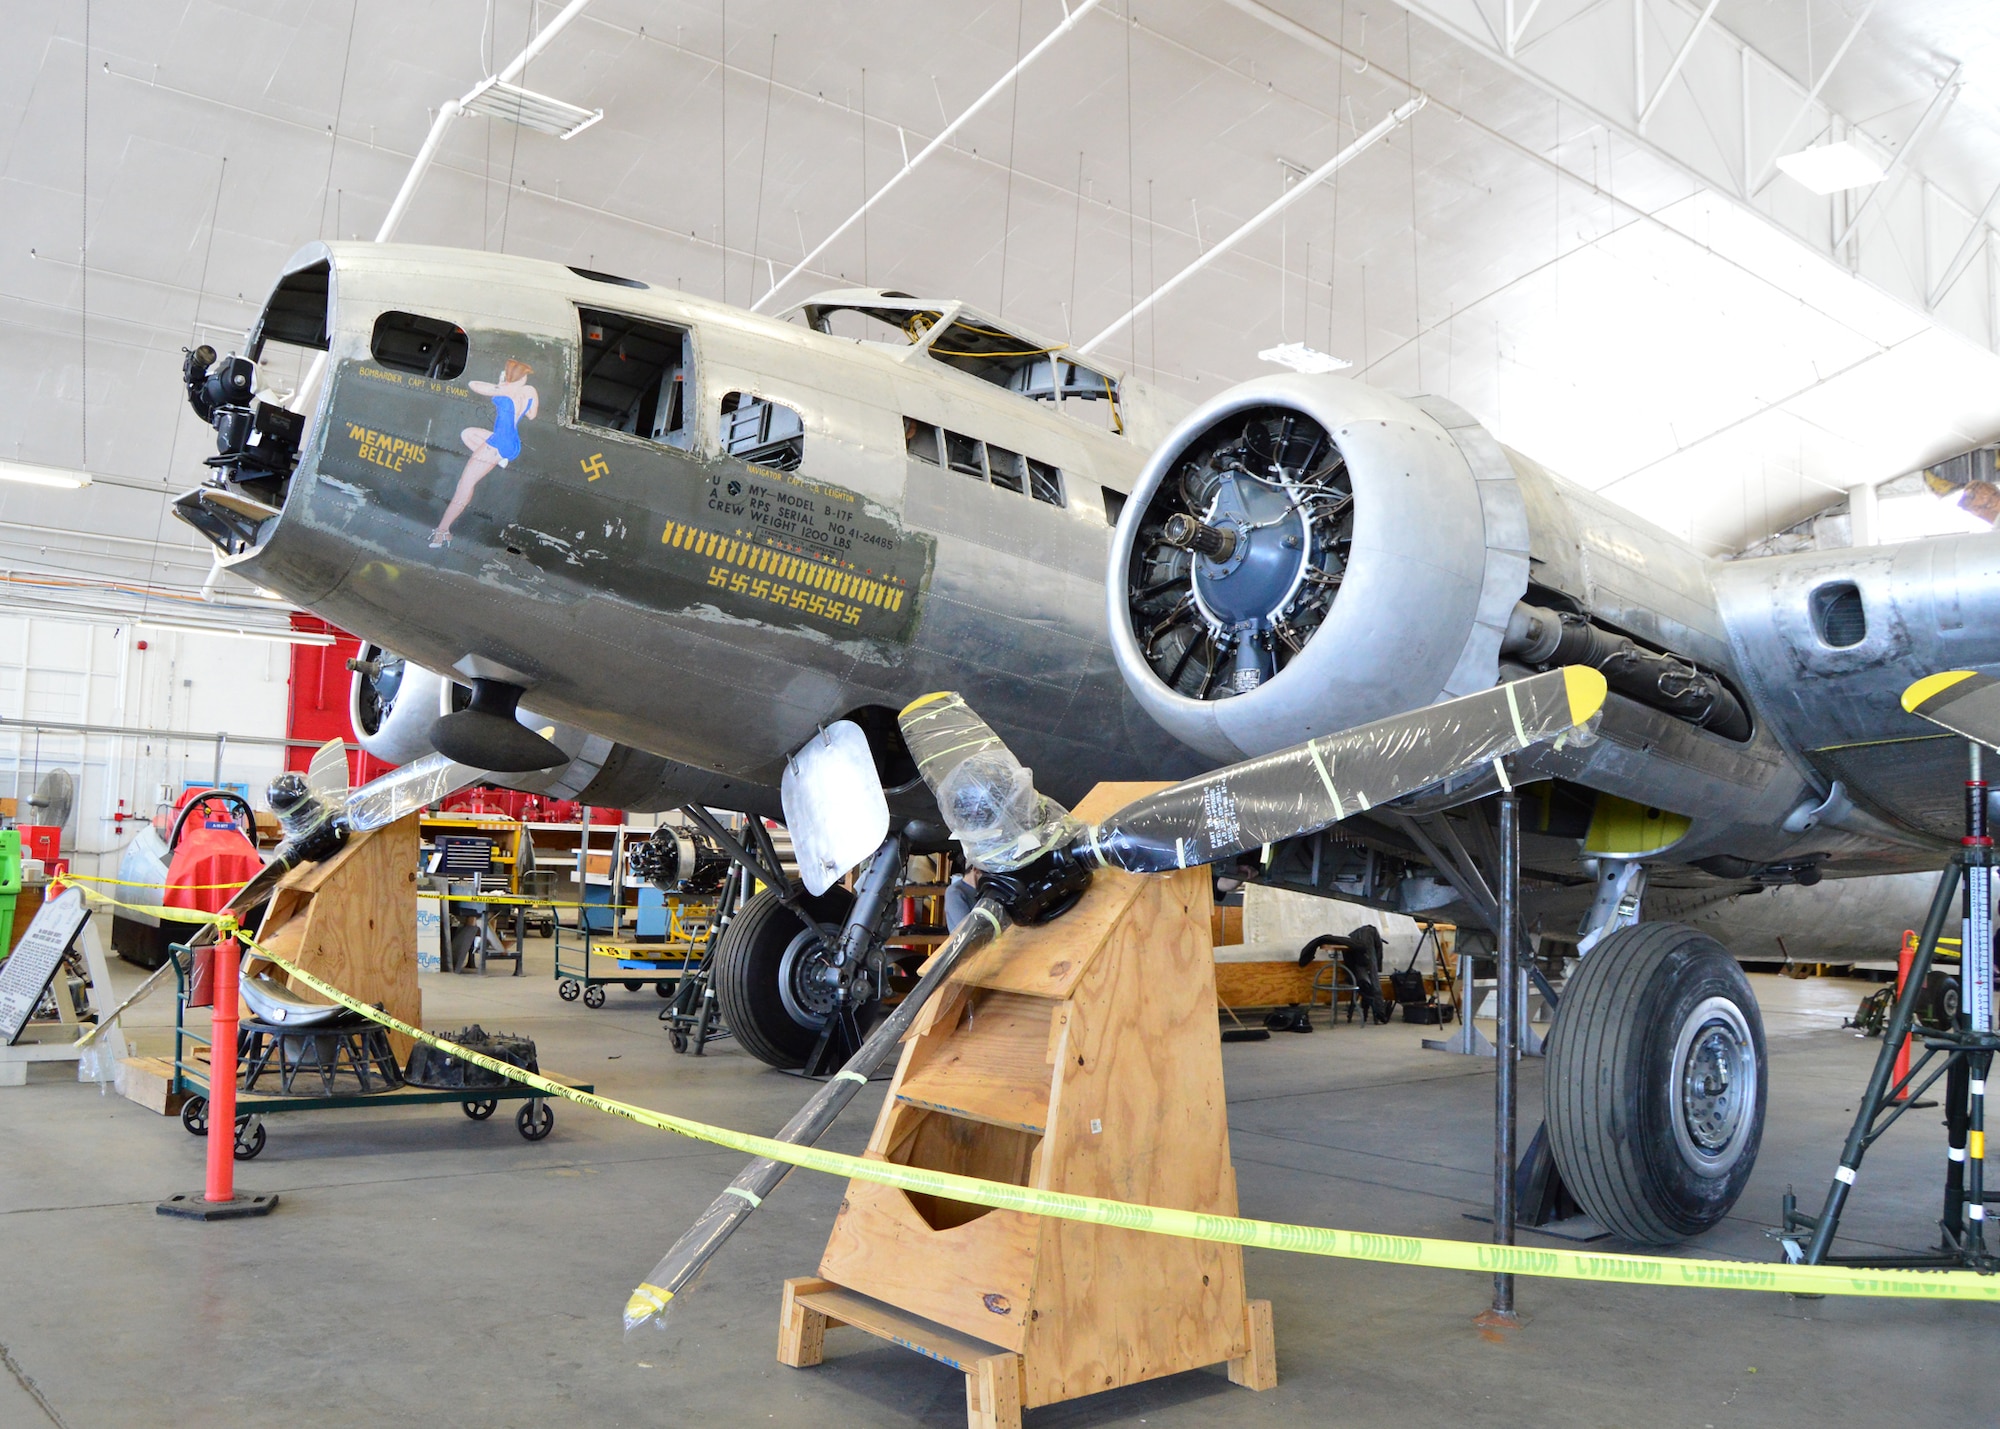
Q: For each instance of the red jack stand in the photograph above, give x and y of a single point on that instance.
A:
(220, 1201)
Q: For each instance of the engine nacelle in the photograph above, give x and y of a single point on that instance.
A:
(1304, 554)
(393, 703)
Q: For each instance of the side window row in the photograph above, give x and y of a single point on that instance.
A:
(983, 461)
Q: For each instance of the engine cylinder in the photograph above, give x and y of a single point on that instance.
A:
(1304, 554)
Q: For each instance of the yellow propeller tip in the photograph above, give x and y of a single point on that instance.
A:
(1586, 690)
(921, 700)
(1932, 685)
(646, 1301)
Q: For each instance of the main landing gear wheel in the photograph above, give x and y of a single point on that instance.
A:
(772, 977)
(1656, 1083)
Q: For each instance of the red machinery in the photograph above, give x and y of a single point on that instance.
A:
(211, 852)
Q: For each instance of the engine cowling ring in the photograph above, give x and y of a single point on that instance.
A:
(1416, 586)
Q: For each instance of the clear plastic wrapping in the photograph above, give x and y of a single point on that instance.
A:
(986, 795)
(417, 785)
(1313, 785)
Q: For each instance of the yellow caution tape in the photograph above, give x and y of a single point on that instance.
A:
(129, 883)
(1435, 1254)
(1233, 1230)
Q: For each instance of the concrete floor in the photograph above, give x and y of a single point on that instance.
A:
(423, 1268)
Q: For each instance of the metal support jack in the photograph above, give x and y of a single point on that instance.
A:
(1460, 867)
(693, 1020)
(1501, 1313)
(1962, 1057)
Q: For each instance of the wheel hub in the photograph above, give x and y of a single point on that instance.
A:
(807, 982)
(1714, 1085)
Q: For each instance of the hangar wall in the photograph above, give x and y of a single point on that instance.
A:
(71, 672)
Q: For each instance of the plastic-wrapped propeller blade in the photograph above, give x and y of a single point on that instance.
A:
(1314, 785)
(987, 797)
(1962, 701)
(418, 784)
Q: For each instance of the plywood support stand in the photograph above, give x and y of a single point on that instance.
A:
(351, 921)
(1080, 1057)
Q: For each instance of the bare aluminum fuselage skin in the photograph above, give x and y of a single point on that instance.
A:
(688, 603)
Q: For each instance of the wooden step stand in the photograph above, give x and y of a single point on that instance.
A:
(1082, 1056)
(351, 921)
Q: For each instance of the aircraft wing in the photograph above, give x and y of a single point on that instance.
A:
(1962, 701)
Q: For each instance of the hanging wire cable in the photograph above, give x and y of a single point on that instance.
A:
(333, 130)
(864, 175)
(514, 147)
(83, 261)
(1131, 235)
(763, 156)
(1416, 270)
(1013, 131)
(1075, 250)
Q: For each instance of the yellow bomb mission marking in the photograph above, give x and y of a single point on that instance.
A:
(781, 572)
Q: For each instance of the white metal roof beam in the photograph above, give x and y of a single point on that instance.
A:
(1710, 118)
(1674, 69)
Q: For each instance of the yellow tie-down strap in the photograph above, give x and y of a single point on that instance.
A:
(1194, 1225)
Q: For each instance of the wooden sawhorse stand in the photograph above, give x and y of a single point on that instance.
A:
(1083, 1057)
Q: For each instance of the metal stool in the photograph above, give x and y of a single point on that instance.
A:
(350, 1047)
(1336, 979)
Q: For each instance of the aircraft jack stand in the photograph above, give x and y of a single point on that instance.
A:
(1962, 1057)
(1081, 1056)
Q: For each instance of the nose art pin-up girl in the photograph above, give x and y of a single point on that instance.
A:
(514, 402)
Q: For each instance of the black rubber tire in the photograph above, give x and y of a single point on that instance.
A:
(535, 1120)
(567, 990)
(251, 1145)
(194, 1115)
(479, 1110)
(593, 996)
(747, 960)
(1609, 1095)
(632, 986)
(663, 989)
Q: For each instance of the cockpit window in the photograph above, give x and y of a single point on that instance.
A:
(1019, 365)
(763, 432)
(893, 326)
(633, 377)
(409, 342)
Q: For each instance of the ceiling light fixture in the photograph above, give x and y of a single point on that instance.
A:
(543, 113)
(28, 474)
(1300, 358)
(1832, 168)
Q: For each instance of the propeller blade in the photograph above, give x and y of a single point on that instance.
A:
(327, 773)
(1317, 784)
(986, 795)
(417, 785)
(684, 1260)
(1962, 701)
